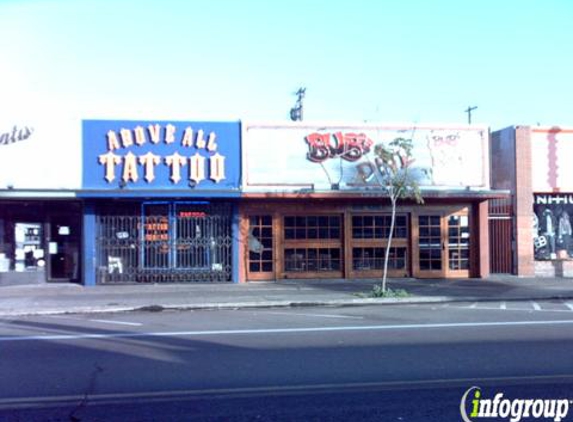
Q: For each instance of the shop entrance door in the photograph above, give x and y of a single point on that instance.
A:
(183, 241)
(64, 249)
(442, 244)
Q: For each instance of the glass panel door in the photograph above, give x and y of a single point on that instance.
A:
(443, 244)
(430, 246)
(458, 245)
(260, 247)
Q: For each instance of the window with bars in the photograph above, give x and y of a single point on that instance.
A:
(260, 243)
(372, 258)
(378, 226)
(312, 259)
(164, 242)
(312, 227)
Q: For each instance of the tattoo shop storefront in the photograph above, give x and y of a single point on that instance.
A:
(160, 201)
(313, 205)
(40, 217)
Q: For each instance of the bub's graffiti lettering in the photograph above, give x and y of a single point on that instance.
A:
(349, 146)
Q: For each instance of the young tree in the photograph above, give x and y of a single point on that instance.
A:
(393, 162)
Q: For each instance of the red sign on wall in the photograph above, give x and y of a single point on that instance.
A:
(350, 146)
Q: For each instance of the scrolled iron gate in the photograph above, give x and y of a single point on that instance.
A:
(170, 242)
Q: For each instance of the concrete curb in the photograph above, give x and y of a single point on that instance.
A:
(223, 306)
(271, 304)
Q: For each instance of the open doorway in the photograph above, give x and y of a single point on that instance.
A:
(63, 249)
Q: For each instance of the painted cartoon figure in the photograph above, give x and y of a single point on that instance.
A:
(447, 154)
(564, 232)
(547, 226)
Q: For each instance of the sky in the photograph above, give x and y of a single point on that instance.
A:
(374, 61)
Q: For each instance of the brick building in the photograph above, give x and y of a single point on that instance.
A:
(532, 162)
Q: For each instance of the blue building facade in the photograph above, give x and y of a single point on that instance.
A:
(160, 201)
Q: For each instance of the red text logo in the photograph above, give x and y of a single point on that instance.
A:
(349, 146)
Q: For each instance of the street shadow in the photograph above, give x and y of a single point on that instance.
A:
(229, 366)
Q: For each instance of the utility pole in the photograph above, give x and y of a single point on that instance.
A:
(469, 111)
(296, 111)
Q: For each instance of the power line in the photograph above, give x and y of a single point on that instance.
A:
(469, 111)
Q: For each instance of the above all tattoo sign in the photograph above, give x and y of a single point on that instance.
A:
(142, 153)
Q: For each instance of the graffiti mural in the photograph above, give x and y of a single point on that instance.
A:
(324, 158)
(348, 146)
(447, 153)
(552, 226)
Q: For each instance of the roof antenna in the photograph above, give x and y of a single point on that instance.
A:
(296, 111)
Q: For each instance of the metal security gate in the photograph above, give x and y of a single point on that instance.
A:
(500, 235)
(165, 242)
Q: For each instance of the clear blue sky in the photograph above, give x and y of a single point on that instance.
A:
(360, 60)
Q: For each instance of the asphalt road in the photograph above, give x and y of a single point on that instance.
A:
(383, 363)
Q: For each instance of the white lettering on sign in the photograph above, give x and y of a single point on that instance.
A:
(132, 165)
(562, 199)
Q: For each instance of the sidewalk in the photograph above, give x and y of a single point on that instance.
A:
(48, 299)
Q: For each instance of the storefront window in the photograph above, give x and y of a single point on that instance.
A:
(39, 241)
(164, 242)
(364, 259)
(22, 247)
(552, 226)
(378, 226)
(312, 227)
(156, 230)
(29, 253)
(312, 259)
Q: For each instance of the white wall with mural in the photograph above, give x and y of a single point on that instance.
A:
(40, 153)
(290, 157)
(551, 155)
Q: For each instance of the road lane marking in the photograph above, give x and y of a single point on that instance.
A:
(103, 321)
(315, 315)
(503, 306)
(491, 308)
(93, 336)
(270, 390)
(109, 321)
(473, 305)
(569, 305)
(536, 306)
